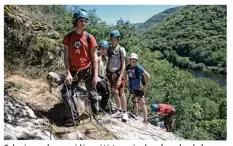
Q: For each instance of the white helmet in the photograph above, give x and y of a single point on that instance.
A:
(134, 56)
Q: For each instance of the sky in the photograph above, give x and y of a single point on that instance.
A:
(134, 13)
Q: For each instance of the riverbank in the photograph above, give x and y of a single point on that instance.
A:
(221, 79)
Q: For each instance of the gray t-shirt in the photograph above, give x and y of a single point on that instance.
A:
(114, 58)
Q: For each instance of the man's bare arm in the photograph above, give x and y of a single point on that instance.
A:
(147, 78)
(122, 68)
(67, 59)
(94, 57)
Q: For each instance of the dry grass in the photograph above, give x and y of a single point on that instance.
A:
(33, 92)
(90, 130)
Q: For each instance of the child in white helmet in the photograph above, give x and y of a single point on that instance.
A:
(135, 74)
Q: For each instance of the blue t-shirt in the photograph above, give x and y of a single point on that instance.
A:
(134, 81)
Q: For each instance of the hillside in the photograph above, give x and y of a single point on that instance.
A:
(29, 43)
(138, 25)
(194, 37)
(158, 18)
(200, 103)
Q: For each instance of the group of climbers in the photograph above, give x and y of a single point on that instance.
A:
(83, 64)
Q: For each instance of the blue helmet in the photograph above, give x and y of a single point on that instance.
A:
(115, 33)
(154, 107)
(80, 14)
(104, 43)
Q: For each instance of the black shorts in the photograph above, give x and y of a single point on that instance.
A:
(168, 119)
(137, 93)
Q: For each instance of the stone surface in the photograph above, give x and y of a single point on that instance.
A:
(136, 130)
(74, 136)
(21, 123)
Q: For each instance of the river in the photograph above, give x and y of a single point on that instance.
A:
(219, 78)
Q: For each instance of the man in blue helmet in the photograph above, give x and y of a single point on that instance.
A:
(103, 86)
(103, 57)
(167, 112)
(81, 62)
(115, 74)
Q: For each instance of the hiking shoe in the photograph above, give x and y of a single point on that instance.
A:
(117, 114)
(125, 117)
(132, 115)
(69, 122)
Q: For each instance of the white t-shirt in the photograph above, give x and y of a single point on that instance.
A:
(103, 66)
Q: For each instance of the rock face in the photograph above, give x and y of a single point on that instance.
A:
(15, 16)
(29, 39)
(137, 130)
(20, 122)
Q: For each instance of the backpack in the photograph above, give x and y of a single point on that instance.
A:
(109, 53)
(137, 74)
(104, 89)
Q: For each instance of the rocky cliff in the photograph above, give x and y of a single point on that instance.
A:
(28, 41)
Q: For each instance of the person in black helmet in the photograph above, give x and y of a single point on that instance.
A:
(81, 62)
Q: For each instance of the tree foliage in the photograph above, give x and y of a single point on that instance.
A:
(196, 33)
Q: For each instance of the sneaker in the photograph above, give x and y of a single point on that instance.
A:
(117, 114)
(132, 115)
(125, 117)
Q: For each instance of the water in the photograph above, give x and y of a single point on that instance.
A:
(219, 78)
